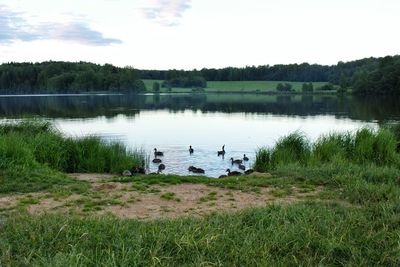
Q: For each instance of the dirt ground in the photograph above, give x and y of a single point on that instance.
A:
(127, 200)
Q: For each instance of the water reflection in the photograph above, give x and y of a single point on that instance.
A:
(173, 122)
(356, 108)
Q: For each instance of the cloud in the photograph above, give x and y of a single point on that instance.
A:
(166, 12)
(14, 27)
(79, 32)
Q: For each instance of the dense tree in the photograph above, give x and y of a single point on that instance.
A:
(286, 87)
(384, 79)
(327, 87)
(156, 87)
(365, 76)
(65, 77)
(307, 87)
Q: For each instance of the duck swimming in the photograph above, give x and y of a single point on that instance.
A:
(158, 153)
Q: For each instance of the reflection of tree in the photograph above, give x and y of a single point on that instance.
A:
(366, 108)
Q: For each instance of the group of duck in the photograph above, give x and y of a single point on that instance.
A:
(238, 162)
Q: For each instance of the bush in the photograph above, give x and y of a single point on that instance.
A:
(327, 87)
(307, 87)
(287, 87)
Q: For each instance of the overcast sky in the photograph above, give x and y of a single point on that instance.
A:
(186, 34)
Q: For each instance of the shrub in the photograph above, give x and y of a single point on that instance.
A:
(307, 87)
(287, 87)
(327, 87)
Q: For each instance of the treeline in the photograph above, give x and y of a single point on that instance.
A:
(384, 78)
(292, 72)
(65, 77)
(365, 76)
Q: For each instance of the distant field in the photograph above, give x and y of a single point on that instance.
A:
(237, 86)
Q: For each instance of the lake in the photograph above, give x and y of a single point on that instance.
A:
(172, 122)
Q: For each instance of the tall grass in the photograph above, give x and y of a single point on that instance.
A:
(38, 146)
(333, 147)
(263, 160)
(294, 148)
(365, 146)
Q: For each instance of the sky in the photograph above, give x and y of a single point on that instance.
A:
(188, 34)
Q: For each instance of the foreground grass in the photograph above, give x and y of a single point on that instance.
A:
(235, 86)
(354, 220)
(300, 234)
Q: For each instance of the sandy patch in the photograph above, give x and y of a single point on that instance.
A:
(124, 202)
(92, 177)
(131, 200)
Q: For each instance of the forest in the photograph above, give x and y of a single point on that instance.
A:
(66, 77)
(365, 76)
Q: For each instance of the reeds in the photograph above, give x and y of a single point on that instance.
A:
(365, 146)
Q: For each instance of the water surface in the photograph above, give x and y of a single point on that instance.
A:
(173, 122)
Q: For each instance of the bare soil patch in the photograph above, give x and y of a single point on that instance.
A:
(92, 177)
(127, 200)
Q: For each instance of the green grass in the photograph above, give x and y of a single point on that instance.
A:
(353, 219)
(236, 86)
(170, 196)
(301, 234)
(93, 203)
(33, 154)
(356, 223)
(366, 146)
(262, 86)
(212, 196)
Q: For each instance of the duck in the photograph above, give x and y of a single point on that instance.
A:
(191, 150)
(138, 170)
(161, 167)
(222, 176)
(242, 167)
(245, 158)
(249, 171)
(157, 160)
(222, 152)
(196, 170)
(158, 153)
(234, 173)
(237, 161)
(191, 168)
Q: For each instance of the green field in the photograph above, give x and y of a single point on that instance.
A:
(239, 86)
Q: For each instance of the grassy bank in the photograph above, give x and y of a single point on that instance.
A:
(238, 87)
(363, 147)
(34, 156)
(352, 218)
